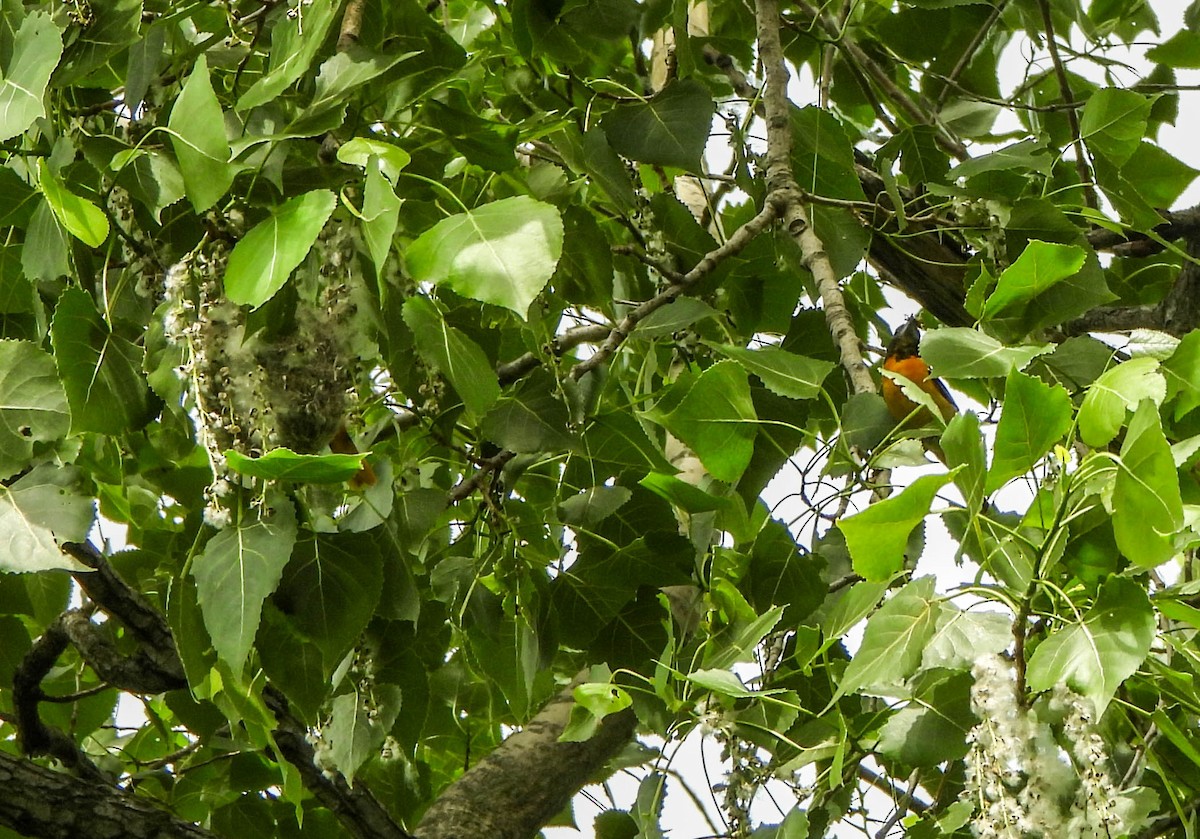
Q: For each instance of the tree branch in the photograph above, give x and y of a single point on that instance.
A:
(37, 738)
(43, 803)
(355, 807)
(351, 25)
(788, 200)
(528, 778)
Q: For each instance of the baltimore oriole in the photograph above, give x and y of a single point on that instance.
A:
(904, 359)
(342, 444)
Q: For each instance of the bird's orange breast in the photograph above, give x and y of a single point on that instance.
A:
(901, 407)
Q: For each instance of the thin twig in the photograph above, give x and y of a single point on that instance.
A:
(968, 54)
(881, 79)
(1064, 89)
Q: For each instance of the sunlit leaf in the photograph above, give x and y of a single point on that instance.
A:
(295, 40)
(285, 465)
(25, 72)
(39, 511)
(198, 137)
(33, 405)
(502, 253)
(1118, 390)
(265, 257)
(80, 217)
(1097, 653)
(960, 353)
(1040, 266)
(878, 535)
(1147, 508)
(783, 372)
(716, 420)
(1113, 122)
(1035, 417)
(895, 638)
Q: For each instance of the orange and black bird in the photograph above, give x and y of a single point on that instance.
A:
(904, 359)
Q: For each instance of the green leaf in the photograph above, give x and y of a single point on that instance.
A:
(878, 536)
(265, 257)
(1040, 266)
(593, 702)
(238, 569)
(895, 639)
(502, 253)
(687, 497)
(1182, 372)
(487, 144)
(921, 159)
(726, 684)
(598, 159)
(960, 353)
(532, 419)
(679, 314)
(346, 71)
(729, 648)
(1113, 122)
(152, 176)
(452, 354)
(198, 137)
(782, 372)
(670, 129)
(100, 371)
(25, 72)
(962, 637)
(285, 465)
(1158, 177)
(593, 505)
(33, 405)
(356, 733)
(619, 438)
(511, 658)
(380, 215)
(594, 590)
(293, 663)
(1147, 508)
(295, 39)
(1027, 155)
(78, 216)
(822, 156)
(962, 443)
(716, 420)
(389, 159)
(1181, 51)
(330, 588)
(1096, 654)
(1120, 388)
(933, 728)
(1035, 417)
(38, 512)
